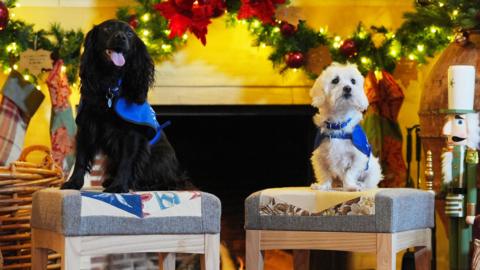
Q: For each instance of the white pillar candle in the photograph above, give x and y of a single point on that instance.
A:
(461, 87)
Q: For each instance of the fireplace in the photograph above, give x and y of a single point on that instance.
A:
(234, 150)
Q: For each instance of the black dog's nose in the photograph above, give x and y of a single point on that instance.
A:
(120, 36)
(347, 89)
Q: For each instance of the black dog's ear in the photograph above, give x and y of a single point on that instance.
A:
(88, 72)
(139, 74)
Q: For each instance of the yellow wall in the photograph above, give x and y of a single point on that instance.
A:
(341, 17)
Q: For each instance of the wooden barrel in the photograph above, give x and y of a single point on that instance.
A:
(435, 97)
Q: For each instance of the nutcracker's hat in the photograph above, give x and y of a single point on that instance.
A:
(461, 89)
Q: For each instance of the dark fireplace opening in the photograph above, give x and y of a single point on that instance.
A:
(233, 151)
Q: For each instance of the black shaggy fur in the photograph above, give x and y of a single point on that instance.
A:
(131, 162)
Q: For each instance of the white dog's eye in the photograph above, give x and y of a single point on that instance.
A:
(336, 80)
(353, 81)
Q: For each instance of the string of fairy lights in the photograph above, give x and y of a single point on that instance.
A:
(429, 28)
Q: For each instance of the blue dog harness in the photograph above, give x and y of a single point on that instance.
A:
(142, 115)
(358, 137)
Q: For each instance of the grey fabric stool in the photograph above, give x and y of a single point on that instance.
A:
(381, 221)
(75, 223)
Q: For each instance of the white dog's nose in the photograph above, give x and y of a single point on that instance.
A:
(347, 89)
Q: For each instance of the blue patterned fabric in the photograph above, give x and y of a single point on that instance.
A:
(131, 203)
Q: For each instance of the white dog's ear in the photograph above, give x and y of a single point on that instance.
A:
(317, 93)
(362, 97)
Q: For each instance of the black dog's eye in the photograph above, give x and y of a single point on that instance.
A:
(353, 81)
(336, 80)
(129, 34)
(107, 28)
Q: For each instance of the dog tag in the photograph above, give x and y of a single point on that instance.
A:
(109, 103)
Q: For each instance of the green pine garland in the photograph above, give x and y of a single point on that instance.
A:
(425, 31)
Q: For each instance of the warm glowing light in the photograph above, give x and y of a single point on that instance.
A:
(145, 32)
(365, 60)
(63, 69)
(38, 87)
(12, 47)
(295, 69)
(167, 32)
(166, 47)
(15, 66)
(455, 13)
(256, 24)
(362, 34)
(420, 47)
(441, 4)
(26, 77)
(393, 52)
(263, 45)
(433, 29)
(411, 56)
(276, 29)
(323, 30)
(185, 36)
(146, 17)
(17, 5)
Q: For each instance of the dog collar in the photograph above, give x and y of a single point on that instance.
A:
(113, 92)
(337, 126)
(358, 138)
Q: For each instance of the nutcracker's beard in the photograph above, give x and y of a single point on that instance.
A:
(458, 139)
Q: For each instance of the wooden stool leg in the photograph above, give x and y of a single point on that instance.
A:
(423, 254)
(301, 259)
(386, 255)
(166, 261)
(39, 258)
(39, 254)
(211, 259)
(254, 256)
(71, 253)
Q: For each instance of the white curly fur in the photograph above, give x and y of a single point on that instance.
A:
(338, 158)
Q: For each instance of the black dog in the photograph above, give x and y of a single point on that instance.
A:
(116, 65)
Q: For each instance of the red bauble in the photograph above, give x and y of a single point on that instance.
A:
(287, 29)
(294, 59)
(348, 48)
(3, 16)
(133, 21)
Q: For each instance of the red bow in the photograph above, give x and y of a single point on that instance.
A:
(189, 15)
(264, 10)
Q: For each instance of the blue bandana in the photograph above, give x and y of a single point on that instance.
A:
(142, 115)
(358, 138)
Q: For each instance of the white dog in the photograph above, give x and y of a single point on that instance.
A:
(343, 152)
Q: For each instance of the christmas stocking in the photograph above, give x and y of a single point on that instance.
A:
(19, 102)
(62, 124)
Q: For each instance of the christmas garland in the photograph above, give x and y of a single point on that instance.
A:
(162, 25)
(17, 36)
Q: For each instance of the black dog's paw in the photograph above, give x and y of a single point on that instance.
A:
(116, 189)
(70, 185)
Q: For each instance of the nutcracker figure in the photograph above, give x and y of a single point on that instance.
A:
(459, 162)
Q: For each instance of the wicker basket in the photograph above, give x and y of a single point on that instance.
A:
(18, 182)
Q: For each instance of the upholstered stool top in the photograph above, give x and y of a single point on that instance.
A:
(304, 209)
(82, 213)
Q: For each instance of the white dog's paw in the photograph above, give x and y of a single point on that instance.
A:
(327, 185)
(352, 188)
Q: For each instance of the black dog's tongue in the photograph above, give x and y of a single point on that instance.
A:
(117, 58)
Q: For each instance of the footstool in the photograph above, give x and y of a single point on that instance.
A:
(75, 223)
(381, 221)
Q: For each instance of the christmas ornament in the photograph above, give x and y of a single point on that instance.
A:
(3, 16)
(378, 39)
(218, 8)
(461, 38)
(424, 3)
(35, 61)
(294, 59)
(133, 21)
(287, 29)
(264, 10)
(349, 48)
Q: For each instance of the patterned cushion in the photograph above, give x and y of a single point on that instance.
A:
(304, 209)
(81, 213)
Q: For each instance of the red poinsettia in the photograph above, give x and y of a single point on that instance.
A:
(193, 15)
(264, 10)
